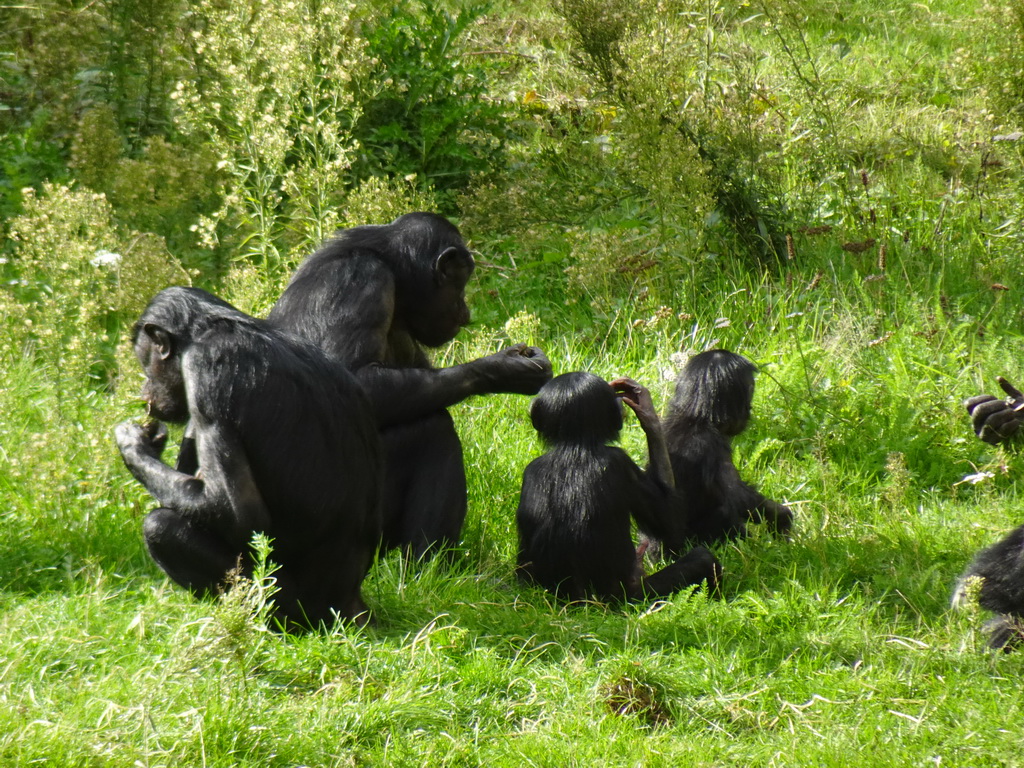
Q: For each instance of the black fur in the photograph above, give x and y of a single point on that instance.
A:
(372, 298)
(577, 501)
(711, 405)
(1001, 570)
(280, 440)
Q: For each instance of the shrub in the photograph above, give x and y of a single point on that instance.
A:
(80, 279)
(425, 108)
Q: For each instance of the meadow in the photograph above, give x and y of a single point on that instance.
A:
(832, 189)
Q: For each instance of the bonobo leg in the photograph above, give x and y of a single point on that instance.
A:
(192, 555)
(696, 566)
(424, 485)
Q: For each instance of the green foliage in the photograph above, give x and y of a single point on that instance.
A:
(80, 280)
(691, 132)
(1000, 59)
(27, 156)
(427, 109)
(379, 200)
(163, 188)
(270, 95)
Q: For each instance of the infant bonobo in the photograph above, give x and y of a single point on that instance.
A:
(577, 499)
(710, 407)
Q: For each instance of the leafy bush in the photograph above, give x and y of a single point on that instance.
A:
(1001, 64)
(426, 110)
(80, 279)
(269, 93)
(689, 126)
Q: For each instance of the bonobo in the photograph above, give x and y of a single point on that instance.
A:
(996, 420)
(577, 499)
(711, 405)
(372, 298)
(282, 441)
(999, 569)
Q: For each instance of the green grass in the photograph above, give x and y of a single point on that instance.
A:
(838, 643)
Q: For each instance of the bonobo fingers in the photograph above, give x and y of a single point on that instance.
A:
(636, 396)
(1012, 391)
(1000, 426)
(972, 403)
(146, 439)
(993, 420)
(156, 433)
(519, 369)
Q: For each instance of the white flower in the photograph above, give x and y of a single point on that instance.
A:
(105, 258)
(976, 478)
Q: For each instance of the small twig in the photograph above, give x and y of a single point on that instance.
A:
(498, 52)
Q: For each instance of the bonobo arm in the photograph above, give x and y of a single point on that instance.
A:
(350, 309)
(996, 420)
(652, 509)
(222, 494)
(753, 504)
(403, 394)
(778, 517)
(188, 460)
(638, 398)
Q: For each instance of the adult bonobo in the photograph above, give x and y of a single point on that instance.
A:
(578, 499)
(282, 441)
(372, 298)
(711, 406)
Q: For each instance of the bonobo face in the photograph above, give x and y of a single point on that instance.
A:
(438, 319)
(164, 390)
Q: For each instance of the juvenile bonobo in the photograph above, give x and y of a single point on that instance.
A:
(995, 420)
(577, 499)
(372, 298)
(711, 405)
(282, 441)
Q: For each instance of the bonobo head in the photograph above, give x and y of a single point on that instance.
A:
(432, 268)
(715, 387)
(161, 336)
(578, 408)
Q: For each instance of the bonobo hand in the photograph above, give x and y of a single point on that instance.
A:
(142, 439)
(638, 398)
(996, 420)
(779, 518)
(519, 370)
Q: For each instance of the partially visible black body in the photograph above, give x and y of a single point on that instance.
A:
(372, 298)
(1001, 566)
(577, 499)
(711, 405)
(281, 440)
(1001, 570)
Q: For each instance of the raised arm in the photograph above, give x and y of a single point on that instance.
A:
(352, 308)
(222, 494)
(638, 398)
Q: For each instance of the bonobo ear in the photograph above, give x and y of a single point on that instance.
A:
(451, 260)
(160, 338)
